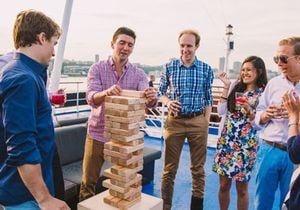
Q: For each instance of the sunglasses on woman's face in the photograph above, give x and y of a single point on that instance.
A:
(282, 58)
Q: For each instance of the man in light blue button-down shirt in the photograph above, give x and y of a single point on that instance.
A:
(274, 166)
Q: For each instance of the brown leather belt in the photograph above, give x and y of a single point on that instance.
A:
(187, 115)
(274, 144)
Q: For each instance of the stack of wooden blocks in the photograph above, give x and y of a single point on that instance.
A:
(123, 115)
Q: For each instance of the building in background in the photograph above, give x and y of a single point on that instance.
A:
(221, 63)
(237, 66)
(96, 58)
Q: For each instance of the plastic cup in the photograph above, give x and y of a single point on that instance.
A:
(279, 109)
(239, 99)
(58, 99)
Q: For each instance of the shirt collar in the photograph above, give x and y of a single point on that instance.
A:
(193, 64)
(285, 78)
(36, 67)
(111, 63)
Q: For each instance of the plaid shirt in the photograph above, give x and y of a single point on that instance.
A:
(102, 75)
(191, 86)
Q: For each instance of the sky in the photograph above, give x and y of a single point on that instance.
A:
(258, 25)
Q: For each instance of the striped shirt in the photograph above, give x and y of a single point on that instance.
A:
(101, 76)
(191, 86)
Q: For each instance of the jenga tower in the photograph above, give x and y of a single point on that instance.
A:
(123, 114)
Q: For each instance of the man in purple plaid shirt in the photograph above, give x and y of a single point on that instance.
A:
(106, 78)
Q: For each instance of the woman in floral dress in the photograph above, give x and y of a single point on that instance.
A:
(236, 148)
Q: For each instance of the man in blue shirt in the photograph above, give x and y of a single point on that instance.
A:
(189, 102)
(59, 188)
(26, 128)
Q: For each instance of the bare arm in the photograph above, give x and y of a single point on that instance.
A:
(223, 77)
(207, 113)
(38, 188)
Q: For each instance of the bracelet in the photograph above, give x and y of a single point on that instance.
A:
(226, 88)
(292, 123)
(225, 98)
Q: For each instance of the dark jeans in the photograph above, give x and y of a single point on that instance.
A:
(59, 186)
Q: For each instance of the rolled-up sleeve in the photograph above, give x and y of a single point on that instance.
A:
(164, 82)
(261, 107)
(94, 84)
(19, 118)
(208, 87)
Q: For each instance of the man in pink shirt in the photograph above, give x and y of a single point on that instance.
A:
(106, 78)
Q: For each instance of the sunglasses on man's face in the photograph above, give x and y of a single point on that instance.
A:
(282, 58)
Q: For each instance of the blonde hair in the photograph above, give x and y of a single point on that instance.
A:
(192, 32)
(292, 41)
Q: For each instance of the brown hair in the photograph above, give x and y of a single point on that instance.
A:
(292, 41)
(261, 80)
(29, 24)
(123, 30)
(192, 32)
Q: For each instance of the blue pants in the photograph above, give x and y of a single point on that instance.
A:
(29, 205)
(274, 170)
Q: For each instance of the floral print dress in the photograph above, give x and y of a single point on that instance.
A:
(236, 148)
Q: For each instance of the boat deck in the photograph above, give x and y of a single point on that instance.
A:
(182, 190)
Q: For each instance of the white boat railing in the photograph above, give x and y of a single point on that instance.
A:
(154, 118)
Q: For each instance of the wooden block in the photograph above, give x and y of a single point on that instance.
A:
(106, 183)
(124, 113)
(136, 165)
(121, 204)
(125, 126)
(122, 148)
(123, 132)
(125, 100)
(142, 100)
(127, 138)
(133, 93)
(124, 171)
(135, 158)
(125, 205)
(130, 107)
(130, 143)
(107, 135)
(124, 119)
(108, 199)
(127, 163)
(134, 182)
(108, 123)
(127, 178)
(111, 153)
(138, 152)
(112, 200)
(108, 99)
(126, 196)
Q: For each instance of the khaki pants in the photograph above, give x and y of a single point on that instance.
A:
(93, 160)
(176, 131)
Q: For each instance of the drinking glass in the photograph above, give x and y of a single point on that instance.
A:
(239, 99)
(58, 98)
(279, 108)
(177, 98)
